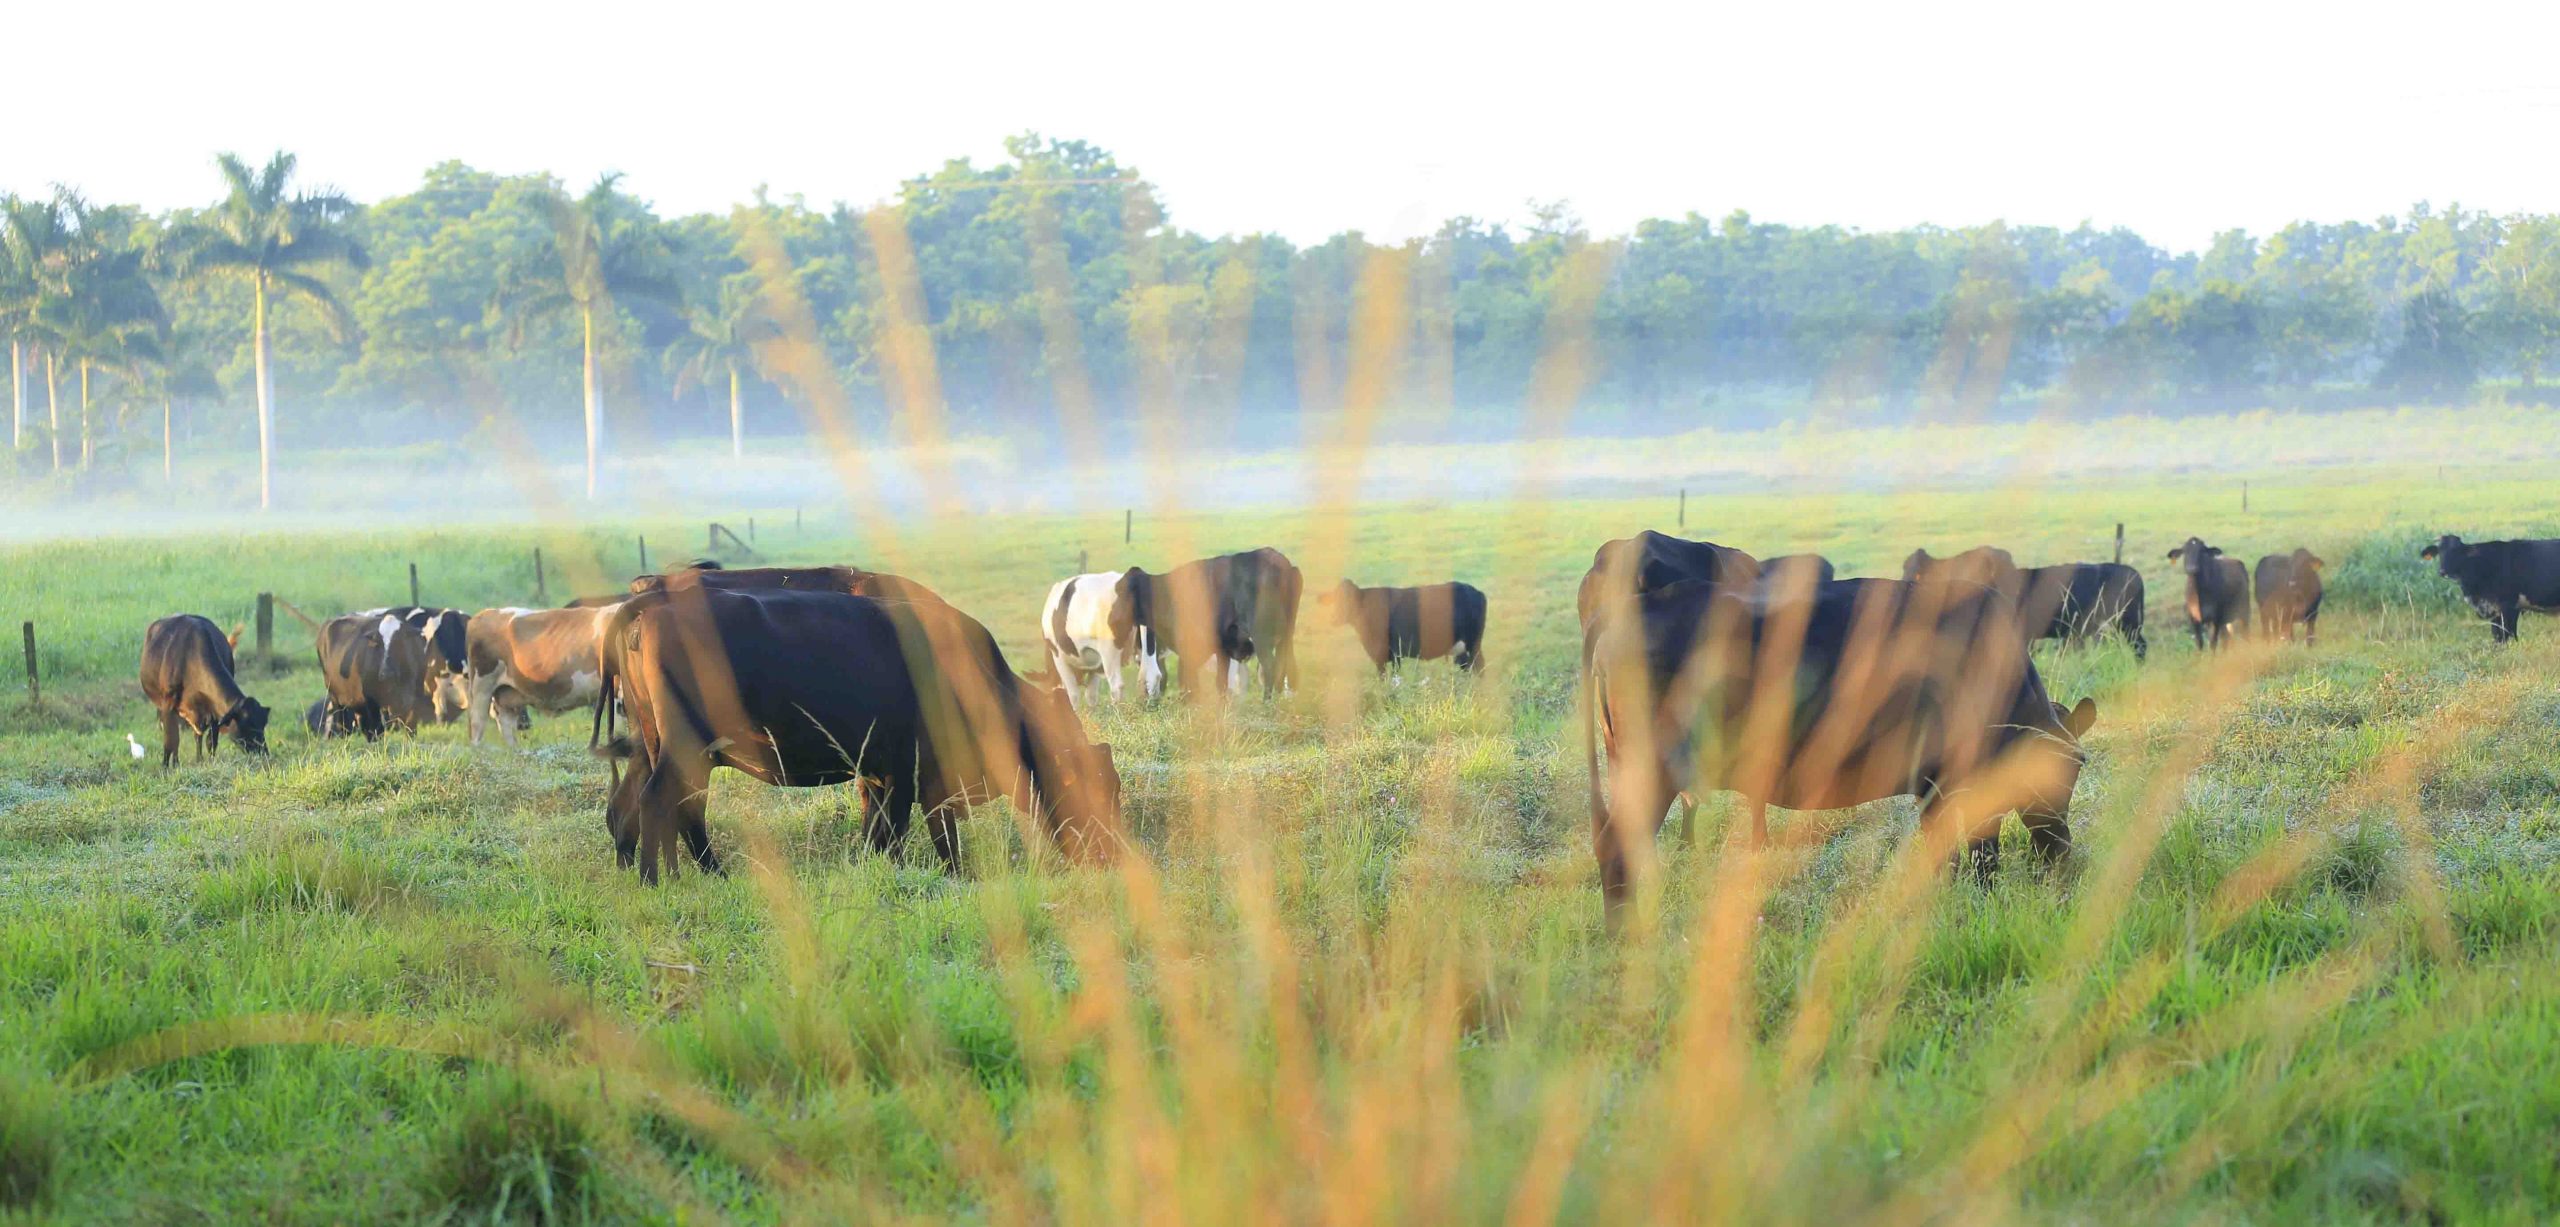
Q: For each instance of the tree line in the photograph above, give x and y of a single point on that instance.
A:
(1051, 291)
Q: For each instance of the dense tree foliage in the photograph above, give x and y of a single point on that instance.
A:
(1052, 292)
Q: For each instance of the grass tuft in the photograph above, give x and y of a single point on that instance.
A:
(31, 1143)
(510, 1156)
(302, 876)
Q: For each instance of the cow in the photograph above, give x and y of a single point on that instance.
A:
(1649, 561)
(539, 659)
(2288, 592)
(1089, 632)
(2217, 591)
(912, 701)
(2078, 601)
(326, 720)
(374, 666)
(187, 674)
(1787, 571)
(1399, 624)
(2501, 578)
(1872, 688)
(1216, 613)
(1987, 565)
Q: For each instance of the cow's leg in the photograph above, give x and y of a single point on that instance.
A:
(651, 822)
(1759, 822)
(889, 807)
(1626, 818)
(210, 742)
(942, 821)
(2048, 834)
(2311, 630)
(169, 738)
(692, 820)
(2504, 629)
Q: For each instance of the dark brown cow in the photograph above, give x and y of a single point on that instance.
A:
(2217, 591)
(1650, 561)
(1872, 688)
(910, 700)
(1398, 624)
(374, 666)
(2288, 590)
(2501, 578)
(187, 674)
(1216, 614)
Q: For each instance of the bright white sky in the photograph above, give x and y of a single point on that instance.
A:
(1306, 117)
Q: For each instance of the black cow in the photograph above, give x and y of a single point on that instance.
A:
(2077, 601)
(187, 674)
(2217, 591)
(1650, 561)
(1987, 565)
(911, 701)
(879, 585)
(2288, 590)
(2501, 578)
(446, 634)
(1874, 688)
(374, 665)
(1216, 613)
(1398, 624)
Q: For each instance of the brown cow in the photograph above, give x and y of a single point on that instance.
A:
(2288, 589)
(543, 659)
(187, 674)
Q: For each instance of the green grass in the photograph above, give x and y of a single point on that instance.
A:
(2302, 968)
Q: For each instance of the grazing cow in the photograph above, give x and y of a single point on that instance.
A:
(375, 668)
(2289, 594)
(910, 700)
(541, 659)
(2501, 578)
(1987, 565)
(1795, 572)
(1089, 632)
(2077, 601)
(325, 720)
(1650, 561)
(1399, 624)
(1873, 688)
(1216, 613)
(2217, 591)
(187, 674)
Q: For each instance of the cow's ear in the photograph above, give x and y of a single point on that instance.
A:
(2173, 554)
(2082, 716)
(2318, 562)
(2427, 555)
(2213, 550)
(234, 636)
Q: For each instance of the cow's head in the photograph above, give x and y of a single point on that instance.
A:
(1338, 602)
(2308, 561)
(2194, 555)
(2447, 553)
(1133, 605)
(2049, 762)
(1081, 788)
(248, 723)
(1918, 562)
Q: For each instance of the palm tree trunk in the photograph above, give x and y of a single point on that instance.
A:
(17, 394)
(53, 405)
(168, 469)
(88, 445)
(266, 398)
(737, 419)
(595, 411)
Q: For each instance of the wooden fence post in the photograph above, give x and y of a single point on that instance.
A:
(35, 692)
(711, 538)
(1081, 568)
(540, 596)
(1684, 508)
(1128, 525)
(644, 553)
(267, 627)
(2244, 496)
(795, 519)
(2119, 542)
(413, 584)
(751, 530)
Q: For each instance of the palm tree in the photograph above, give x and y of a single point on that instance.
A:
(275, 241)
(723, 338)
(37, 238)
(103, 313)
(607, 247)
(179, 371)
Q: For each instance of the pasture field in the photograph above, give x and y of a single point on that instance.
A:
(2302, 966)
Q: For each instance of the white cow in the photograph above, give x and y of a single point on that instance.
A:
(1090, 632)
(533, 658)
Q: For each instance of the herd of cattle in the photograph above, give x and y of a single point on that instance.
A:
(1704, 669)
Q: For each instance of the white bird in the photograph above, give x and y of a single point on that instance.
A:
(135, 746)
